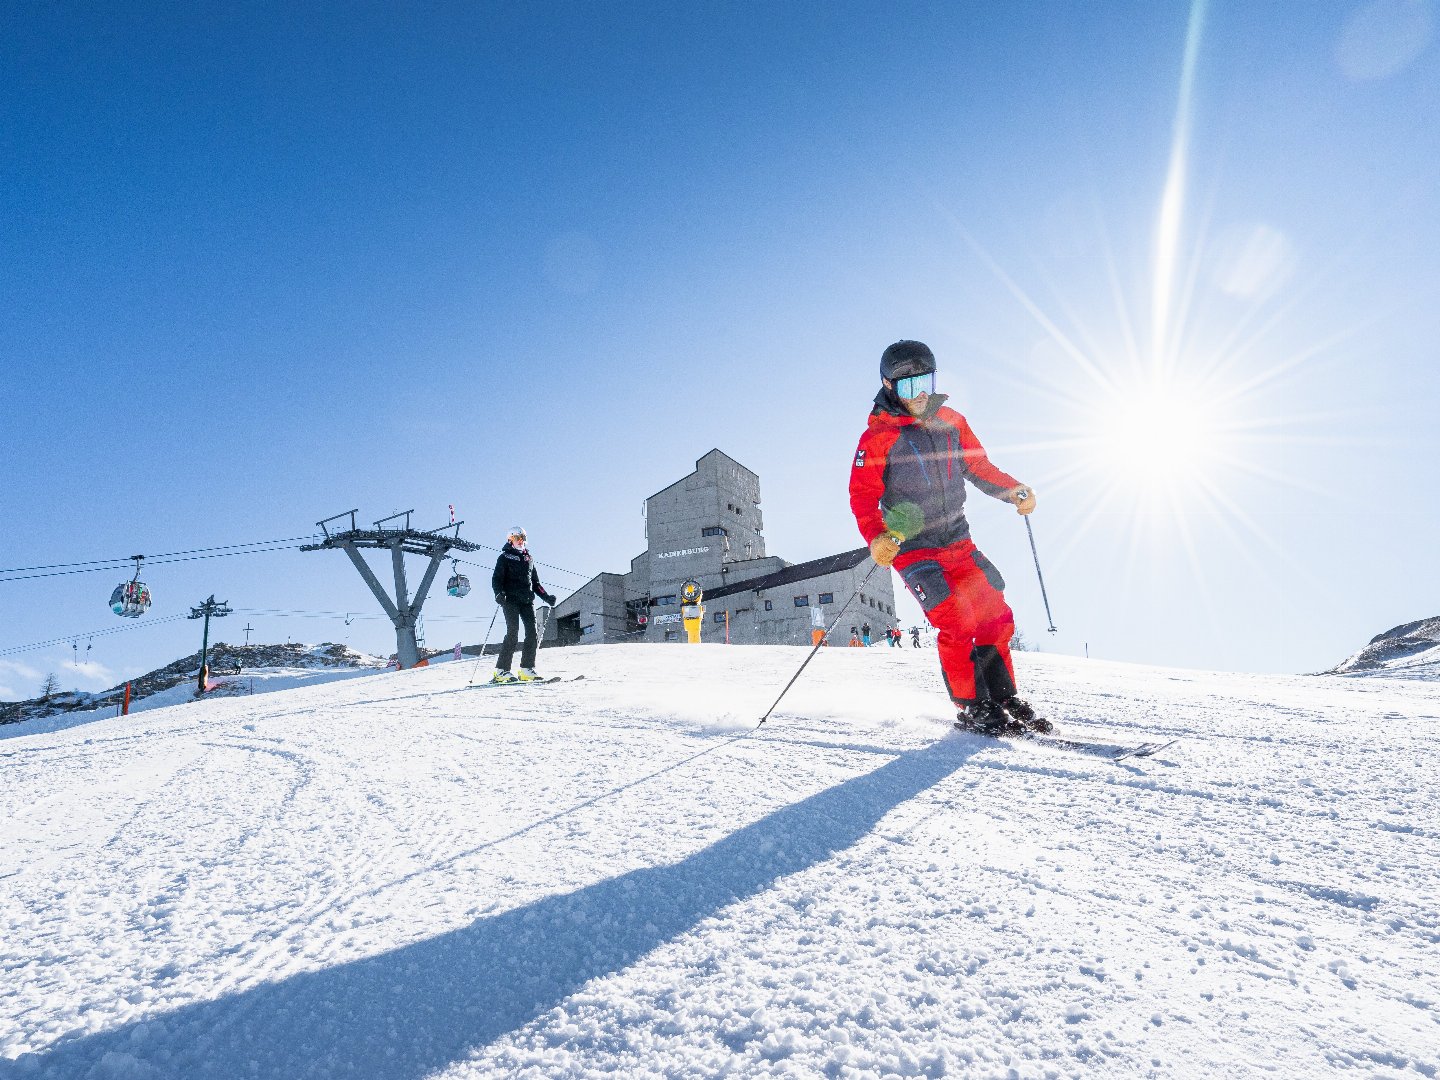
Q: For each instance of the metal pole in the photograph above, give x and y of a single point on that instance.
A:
(205, 645)
(816, 647)
(1036, 557)
(484, 646)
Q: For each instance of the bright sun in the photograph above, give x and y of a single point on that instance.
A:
(1159, 431)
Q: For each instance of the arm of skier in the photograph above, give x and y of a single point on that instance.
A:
(984, 474)
(867, 488)
(538, 589)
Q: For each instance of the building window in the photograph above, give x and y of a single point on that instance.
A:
(769, 606)
(719, 616)
(889, 610)
(827, 598)
(661, 601)
(802, 601)
(588, 629)
(713, 530)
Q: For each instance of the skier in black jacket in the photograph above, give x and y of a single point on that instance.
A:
(516, 584)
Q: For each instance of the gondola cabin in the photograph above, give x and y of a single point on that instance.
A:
(131, 599)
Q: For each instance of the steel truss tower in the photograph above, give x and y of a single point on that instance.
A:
(403, 610)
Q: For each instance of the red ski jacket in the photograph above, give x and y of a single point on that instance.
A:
(922, 466)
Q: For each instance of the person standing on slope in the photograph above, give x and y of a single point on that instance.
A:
(516, 583)
(909, 476)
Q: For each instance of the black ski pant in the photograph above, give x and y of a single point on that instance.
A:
(515, 614)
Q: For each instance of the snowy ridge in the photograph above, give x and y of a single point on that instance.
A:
(1411, 650)
(234, 669)
(399, 877)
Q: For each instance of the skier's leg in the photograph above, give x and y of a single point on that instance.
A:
(994, 623)
(527, 654)
(512, 634)
(928, 577)
(956, 645)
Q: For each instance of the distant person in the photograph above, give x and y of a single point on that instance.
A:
(855, 639)
(516, 584)
(909, 476)
(894, 635)
(914, 637)
(865, 635)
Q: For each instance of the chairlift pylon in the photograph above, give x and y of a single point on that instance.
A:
(459, 584)
(131, 599)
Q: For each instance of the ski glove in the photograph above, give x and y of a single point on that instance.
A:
(884, 548)
(549, 598)
(500, 600)
(1023, 498)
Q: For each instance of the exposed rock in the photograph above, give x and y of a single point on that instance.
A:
(1401, 650)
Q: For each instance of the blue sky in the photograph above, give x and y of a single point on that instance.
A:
(261, 266)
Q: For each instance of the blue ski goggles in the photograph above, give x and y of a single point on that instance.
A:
(912, 386)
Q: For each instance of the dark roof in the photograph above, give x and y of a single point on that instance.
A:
(831, 564)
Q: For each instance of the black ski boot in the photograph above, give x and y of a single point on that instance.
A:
(986, 718)
(1023, 714)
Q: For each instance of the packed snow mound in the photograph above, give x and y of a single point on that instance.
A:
(234, 669)
(1411, 650)
(405, 876)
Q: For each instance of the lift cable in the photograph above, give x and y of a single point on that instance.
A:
(162, 555)
(158, 560)
(16, 649)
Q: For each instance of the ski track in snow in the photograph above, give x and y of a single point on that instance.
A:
(394, 876)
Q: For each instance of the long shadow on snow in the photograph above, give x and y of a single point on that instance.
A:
(408, 1012)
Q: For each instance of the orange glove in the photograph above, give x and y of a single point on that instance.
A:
(1023, 498)
(884, 548)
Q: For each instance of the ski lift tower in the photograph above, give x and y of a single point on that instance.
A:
(401, 540)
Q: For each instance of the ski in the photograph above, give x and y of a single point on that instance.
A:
(551, 681)
(1146, 749)
(1093, 747)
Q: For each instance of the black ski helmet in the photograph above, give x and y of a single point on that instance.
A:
(906, 358)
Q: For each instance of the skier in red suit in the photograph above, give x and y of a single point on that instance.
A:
(907, 491)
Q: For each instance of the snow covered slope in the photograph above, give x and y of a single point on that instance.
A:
(1411, 650)
(396, 876)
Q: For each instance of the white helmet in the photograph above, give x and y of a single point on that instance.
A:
(517, 530)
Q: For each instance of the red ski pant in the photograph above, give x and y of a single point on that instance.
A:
(962, 594)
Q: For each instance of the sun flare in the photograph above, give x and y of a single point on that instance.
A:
(1160, 431)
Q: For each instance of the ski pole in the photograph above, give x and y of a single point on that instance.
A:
(816, 647)
(1034, 555)
(485, 646)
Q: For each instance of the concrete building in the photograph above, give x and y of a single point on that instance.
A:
(708, 527)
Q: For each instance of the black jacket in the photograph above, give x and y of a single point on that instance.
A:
(516, 579)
